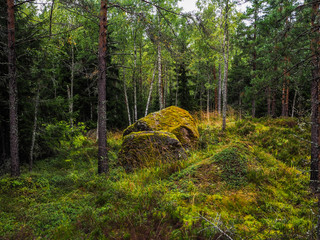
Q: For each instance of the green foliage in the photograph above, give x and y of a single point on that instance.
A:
(235, 182)
(233, 166)
(244, 128)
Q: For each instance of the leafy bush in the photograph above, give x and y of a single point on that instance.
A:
(61, 137)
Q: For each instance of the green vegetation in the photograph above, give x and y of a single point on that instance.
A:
(251, 182)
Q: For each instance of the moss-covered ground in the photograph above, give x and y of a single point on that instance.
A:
(250, 182)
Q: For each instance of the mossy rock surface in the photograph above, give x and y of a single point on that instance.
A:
(150, 148)
(172, 119)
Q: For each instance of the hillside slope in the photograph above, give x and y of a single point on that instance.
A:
(250, 182)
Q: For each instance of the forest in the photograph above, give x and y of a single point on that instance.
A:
(136, 119)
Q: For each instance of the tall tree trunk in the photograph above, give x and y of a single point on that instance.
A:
(126, 94)
(150, 90)
(160, 84)
(294, 103)
(253, 109)
(314, 174)
(254, 56)
(201, 89)
(287, 98)
(70, 93)
(268, 101)
(273, 103)
(226, 64)
(102, 111)
(240, 106)
(135, 79)
(315, 109)
(13, 92)
(219, 90)
(215, 90)
(34, 131)
(208, 98)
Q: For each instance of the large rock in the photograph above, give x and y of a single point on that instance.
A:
(149, 148)
(172, 119)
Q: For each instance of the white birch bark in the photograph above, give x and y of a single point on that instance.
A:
(226, 63)
(150, 90)
(34, 131)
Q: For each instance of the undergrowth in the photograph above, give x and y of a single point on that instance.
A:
(250, 182)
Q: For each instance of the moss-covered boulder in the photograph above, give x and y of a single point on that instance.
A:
(172, 119)
(150, 148)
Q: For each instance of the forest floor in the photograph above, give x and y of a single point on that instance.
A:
(250, 182)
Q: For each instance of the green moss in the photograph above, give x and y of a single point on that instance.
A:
(172, 119)
(140, 149)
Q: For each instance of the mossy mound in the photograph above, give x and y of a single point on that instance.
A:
(172, 119)
(150, 148)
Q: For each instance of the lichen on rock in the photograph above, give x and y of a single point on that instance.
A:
(172, 119)
(150, 148)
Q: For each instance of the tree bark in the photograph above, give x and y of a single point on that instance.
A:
(294, 103)
(160, 83)
(254, 56)
(34, 131)
(219, 90)
(126, 94)
(102, 111)
(226, 63)
(135, 79)
(315, 109)
(273, 103)
(13, 92)
(315, 85)
(150, 90)
(253, 112)
(208, 98)
(215, 91)
(268, 101)
(70, 91)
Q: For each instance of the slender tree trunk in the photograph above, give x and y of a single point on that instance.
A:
(13, 92)
(71, 86)
(219, 90)
(240, 106)
(34, 131)
(254, 56)
(208, 99)
(150, 90)
(165, 87)
(287, 98)
(269, 101)
(201, 89)
(140, 71)
(283, 99)
(102, 111)
(273, 103)
(126, 95)
(226, 63)
(253, 113)
(315, 118)
(51, 14)
(294, 103)
(215, 106)
(135, 79)
(160, 84)
(177, 87)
